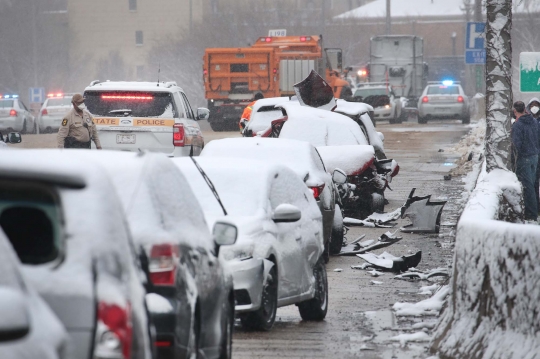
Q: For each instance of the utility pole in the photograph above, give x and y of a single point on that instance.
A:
(478, 10)
(498, 84)
(34, 41)
(323, 17)
(190, 17)
(388, 18)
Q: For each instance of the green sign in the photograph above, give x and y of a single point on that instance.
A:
(529, 72)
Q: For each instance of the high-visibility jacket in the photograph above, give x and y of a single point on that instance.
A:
(247, 113)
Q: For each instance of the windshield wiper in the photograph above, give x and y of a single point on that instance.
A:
(125, 112)
(210, 184)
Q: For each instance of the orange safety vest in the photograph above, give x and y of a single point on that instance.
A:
(247, 113)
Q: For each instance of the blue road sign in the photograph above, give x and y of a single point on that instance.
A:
(475, 43)
(37, 94)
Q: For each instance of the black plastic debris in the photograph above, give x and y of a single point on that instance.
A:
(447, 177)
(313, 91)
(387, 261)
(357, 247)
(424, 214)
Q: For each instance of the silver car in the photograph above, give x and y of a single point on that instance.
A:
(445, 100)
(386, 105)
(52, 112)
(15, 116)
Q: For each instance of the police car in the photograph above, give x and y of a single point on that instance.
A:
(15, 116)
(53, 111)
(153, 116)
(443, 100)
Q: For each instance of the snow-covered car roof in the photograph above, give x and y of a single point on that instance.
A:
(351, 159)
(320, 127)
(133, 86)
(270, 101)
(352, 108)
(300, 156)
(262, 120)
(158, 202)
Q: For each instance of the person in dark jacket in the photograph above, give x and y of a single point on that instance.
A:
(526, 142)
(534, 109)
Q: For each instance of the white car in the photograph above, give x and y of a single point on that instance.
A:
(28, 327)
(135, 116)
(15, 116)
(386, 105)
(305, 161)
(278, 258)
(444, 100)
(53, 111)
(65, 222)
(263, 113)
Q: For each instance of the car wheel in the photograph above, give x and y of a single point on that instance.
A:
(23, 131)
(336, 242)
(193, 344)
(226, 346)
(466, 120)
(216, 126)
(377, 203)
(316, 308)
(263, 319)
(326, 251)
(392, 120)
(35, 131)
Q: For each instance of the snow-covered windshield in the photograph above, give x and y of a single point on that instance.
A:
(136, 104)
(365, 92)
(263, 118)
(443, 90)
(58, 102)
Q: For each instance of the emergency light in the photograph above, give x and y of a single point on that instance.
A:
(448, 82)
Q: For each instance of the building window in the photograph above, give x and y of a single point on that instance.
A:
(132, 5)
(139, 39)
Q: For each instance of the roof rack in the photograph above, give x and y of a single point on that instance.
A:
(95, 82)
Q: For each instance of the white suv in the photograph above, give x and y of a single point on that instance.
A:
(133, 116)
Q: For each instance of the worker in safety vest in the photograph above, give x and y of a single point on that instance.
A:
(246, 115)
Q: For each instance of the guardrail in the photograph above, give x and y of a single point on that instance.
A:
(493, 310)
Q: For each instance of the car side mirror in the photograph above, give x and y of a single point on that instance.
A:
(339, 176)
(225, 234)
(286, 213)
(203, 113)
(13, 137)
(14, 318)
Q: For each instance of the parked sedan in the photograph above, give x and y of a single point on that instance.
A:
(303, 159)
(278, 259)
(52, 112)
(263, 113)
(443, 100)
(192, 299)
(15, 116)
(29, 328)
(67, 226)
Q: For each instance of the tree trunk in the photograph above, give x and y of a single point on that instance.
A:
(498, 83)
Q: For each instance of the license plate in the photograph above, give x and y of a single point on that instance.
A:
(125, 139)
(443, 109)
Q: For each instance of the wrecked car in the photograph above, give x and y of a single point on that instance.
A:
(278, 258)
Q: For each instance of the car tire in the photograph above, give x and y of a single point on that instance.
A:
(23, 131)
(35, 130)
(263, 319)
(466, 120)
(422, 120)
(216, 126)
(226, 345)
(315, 309)
(377, 202)
(336, 242)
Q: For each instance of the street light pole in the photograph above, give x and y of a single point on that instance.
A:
(388, 18)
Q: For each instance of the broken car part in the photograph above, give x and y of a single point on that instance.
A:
(424, 214)
(389, 262)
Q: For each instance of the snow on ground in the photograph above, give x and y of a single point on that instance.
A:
(430, 306)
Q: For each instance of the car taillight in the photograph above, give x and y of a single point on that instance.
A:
(44, 112)
(460, 99)
(114, 331)
(425, 99)
(178, 135)
(13, 113)
(317, 191)
(162, 264)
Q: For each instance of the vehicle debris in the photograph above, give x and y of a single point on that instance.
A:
(375, 282)
(424, 214)
(375, 273)
(362, 266)
(338, 270)
(313, 91)
(387, 261)
(421, 275)
(357, 247)
(383, 218)
(447, 177)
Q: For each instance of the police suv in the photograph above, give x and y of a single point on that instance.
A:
(153, 116)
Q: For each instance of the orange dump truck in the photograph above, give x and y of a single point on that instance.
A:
(232, 76)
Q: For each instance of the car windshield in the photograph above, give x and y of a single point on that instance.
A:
(264, 116)
(366, 92)
(443, 90)
(58, 102)
(135, 104)
(30, 217)
(6, 103)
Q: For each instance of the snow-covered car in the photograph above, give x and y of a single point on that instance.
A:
(304, 160)
(386, 105)
(53, 111)
(133, 116)
(444, 100)
(278, 258)
(28, 327)
(191, 297)
(15, 116)
(263, 113)
(326, 128)
(65, 222)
